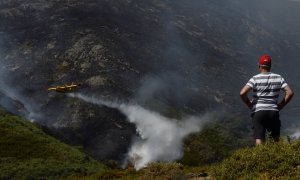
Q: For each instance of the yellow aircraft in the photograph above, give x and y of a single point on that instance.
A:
(66, 88)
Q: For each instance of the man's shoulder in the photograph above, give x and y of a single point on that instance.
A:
(271, 74)
(257, 76)
(274, 74)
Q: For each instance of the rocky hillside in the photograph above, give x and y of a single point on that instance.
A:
(174, 57)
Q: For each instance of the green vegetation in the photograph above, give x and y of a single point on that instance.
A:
(164, 171)
(157, 171)
(124, 174)
(26, 152)
(214, 143)
(270, 161)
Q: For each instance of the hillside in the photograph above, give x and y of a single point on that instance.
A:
(171, 58)
(272, 161)
(26, 152)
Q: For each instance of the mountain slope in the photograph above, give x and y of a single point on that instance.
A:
(173, 57)
(27, 152)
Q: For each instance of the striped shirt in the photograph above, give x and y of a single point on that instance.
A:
(266, 89)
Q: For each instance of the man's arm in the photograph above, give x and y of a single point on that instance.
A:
(244, 96)
(288, 96)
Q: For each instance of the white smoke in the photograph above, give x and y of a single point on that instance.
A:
(15, 95)
(161, 138)
(296, 135)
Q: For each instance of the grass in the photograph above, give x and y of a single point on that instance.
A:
(270, 161)
(155, 171)
(26, 152)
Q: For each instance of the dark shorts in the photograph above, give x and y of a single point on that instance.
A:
(266, 121)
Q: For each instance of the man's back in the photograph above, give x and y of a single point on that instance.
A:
(266, 89)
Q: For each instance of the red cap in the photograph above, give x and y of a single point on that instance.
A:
(265, 60)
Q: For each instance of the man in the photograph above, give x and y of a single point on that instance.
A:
(266, 87)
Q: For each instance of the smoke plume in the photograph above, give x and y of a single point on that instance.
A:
(160, 137)
(13, 100)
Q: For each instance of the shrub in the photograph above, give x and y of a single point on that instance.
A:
(163, 171)
(213, 144)
(270, 161)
